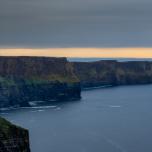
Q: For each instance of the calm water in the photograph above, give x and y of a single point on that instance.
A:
(115, 119)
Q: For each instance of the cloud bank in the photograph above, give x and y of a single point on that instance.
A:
(75, 23)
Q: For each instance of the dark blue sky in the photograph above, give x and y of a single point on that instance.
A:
(75, 23)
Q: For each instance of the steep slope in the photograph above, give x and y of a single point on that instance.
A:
(13, 138)
(93, 74)
(24, 79)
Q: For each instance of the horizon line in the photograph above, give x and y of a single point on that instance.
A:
(129, 52)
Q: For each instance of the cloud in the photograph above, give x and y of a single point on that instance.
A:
(75, 23)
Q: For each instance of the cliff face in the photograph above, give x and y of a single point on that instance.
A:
(94, 74)
(37, 69)
(13, 138)
(25, 79)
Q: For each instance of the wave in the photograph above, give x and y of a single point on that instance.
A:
(114, 106)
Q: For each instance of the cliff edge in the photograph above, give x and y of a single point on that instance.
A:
(13, 138)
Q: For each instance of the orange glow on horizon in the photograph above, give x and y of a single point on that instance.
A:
(80, 52)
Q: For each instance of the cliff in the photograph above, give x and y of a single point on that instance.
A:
(25, 79)
(13, 138)
(101, 73)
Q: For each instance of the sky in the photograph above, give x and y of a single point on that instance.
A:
(77, 24)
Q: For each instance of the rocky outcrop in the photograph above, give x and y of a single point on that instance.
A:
(26, 79)
(112, 73)
(13, 138)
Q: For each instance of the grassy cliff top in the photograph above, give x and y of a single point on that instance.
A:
(8, 130)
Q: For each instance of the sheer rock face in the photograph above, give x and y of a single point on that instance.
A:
(100, 73)
(25, 79)
(37, 68)
(13, 138)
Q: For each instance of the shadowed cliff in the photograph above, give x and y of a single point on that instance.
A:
(13, 138)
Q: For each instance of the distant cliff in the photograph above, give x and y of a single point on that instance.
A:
(100, 73)
(13, 138)
(25, 79)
